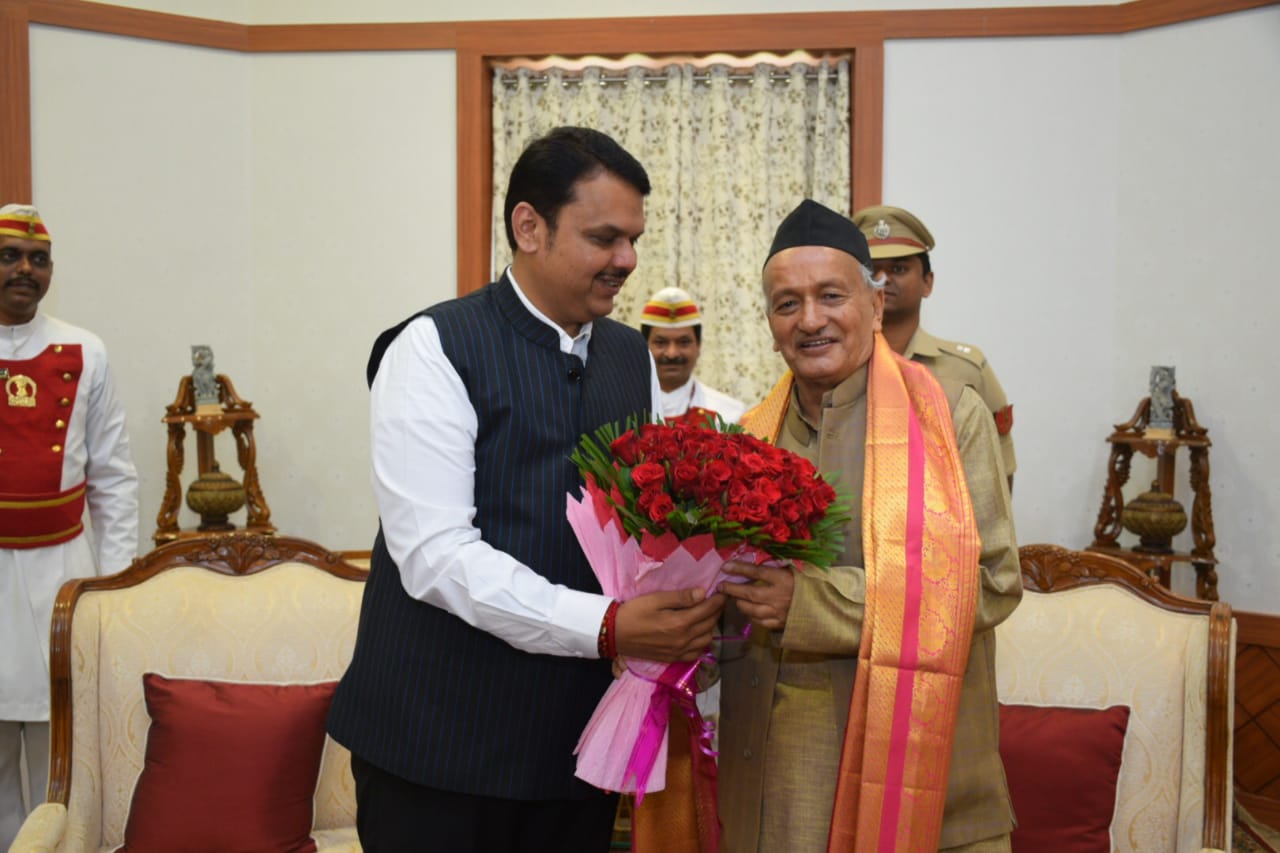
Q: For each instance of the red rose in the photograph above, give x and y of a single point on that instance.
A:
(768, 490)
(623, 448)
(646, 475)
(685, 474)
(728, 452)
(755, 508)
(789, 511)
(646, 498)
(777, 530)
(661, 507)
(717, 473)
(825, 494)
(775, 461)
(804, 469)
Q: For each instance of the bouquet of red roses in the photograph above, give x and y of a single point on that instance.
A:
(664, 507)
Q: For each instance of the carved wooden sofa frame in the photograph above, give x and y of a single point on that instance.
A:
(55, 825)
(1053, 569)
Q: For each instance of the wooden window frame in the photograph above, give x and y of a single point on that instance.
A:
(482, 46)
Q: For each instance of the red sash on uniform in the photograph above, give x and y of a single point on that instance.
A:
(37, 397)
(695, 416)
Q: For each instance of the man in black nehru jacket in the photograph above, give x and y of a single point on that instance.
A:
(483, 635)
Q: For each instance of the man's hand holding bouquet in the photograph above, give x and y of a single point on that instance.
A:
(665, 507)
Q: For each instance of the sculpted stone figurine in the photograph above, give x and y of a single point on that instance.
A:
(202, 376)
(1160, 415)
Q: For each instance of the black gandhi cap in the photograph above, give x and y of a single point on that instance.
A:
(813, 224)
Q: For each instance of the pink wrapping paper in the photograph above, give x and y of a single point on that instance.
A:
(626, 568)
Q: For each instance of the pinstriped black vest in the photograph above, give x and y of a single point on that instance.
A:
(429, 698)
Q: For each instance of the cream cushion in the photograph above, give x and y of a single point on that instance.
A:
(288, 623)
(1098, 646)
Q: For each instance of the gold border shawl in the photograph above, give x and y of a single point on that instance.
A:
(921, 550)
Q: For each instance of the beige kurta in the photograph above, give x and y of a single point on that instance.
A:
(785, 697)
(966, 363)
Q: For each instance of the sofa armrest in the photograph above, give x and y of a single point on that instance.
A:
(42, 831)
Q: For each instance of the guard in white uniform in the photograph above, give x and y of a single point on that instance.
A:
(63, 448)
(672, 325)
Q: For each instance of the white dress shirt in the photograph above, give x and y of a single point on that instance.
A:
(694, 393)
(424, 432)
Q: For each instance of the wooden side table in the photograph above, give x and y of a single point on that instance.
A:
(1163, 447)
(231, 412)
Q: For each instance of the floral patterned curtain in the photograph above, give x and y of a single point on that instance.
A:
(728, 157)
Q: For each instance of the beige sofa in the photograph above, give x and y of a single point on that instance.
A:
(242, 608)
(1092, 632)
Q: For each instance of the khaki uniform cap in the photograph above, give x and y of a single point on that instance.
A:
(892, 232)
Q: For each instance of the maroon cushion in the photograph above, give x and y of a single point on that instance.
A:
(229, 766)
(1062, 765)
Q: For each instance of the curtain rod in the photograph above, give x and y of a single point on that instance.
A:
(510, 77)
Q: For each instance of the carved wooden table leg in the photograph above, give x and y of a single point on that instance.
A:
(167, 519)
(1206, 581)
(1202, 526)
(1106, 532)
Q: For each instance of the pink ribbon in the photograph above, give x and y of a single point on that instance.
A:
(673, 686)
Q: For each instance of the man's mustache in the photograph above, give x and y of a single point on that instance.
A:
(673, 360)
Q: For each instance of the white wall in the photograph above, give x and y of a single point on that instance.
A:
(985, 141)
(281, 209)
(293, 205)
(1199, 181)
(141, 169)
(353, 204)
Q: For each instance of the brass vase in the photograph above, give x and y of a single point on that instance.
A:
(215, 495)
(1156, 518)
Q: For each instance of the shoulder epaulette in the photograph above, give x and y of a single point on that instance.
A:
(968, 352)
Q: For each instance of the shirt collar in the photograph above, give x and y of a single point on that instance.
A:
(922, 343)
(576, 345)
(682, 395)
(18, 336)
(843, 395)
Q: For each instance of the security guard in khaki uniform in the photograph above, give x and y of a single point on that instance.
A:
(900, 246)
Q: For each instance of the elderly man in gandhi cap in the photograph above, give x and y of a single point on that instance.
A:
(862, 706)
